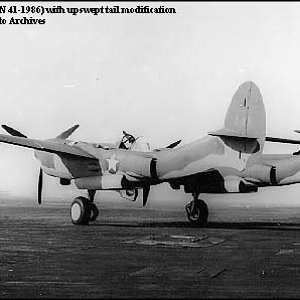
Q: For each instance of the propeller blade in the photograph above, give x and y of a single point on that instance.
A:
(40, 186)
(13, 132)
(146, 191)
(64, 135)
(173, 145)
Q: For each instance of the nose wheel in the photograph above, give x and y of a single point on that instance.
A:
(197, 211)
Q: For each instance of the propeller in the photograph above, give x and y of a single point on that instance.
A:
(64, 135)
(146, 190)
(13, 132)
(173, 145)
(40, 186)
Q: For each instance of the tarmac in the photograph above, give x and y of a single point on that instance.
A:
(135, 252)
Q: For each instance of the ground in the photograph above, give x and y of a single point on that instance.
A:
(135, 252)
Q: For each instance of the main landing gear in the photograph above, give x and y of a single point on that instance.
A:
(197, 211)
(83, 210)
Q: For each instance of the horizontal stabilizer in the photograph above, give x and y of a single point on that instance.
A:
(228, 133)
(240, 142)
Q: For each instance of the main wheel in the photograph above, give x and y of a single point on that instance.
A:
(199, 215)
(94, 212)
(80, 211)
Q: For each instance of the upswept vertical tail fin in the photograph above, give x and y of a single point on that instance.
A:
(245, 123)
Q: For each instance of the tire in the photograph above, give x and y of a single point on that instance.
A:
(80, 211)
(94, 212)
(200, 215)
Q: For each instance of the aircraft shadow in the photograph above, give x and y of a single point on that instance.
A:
(217, 225)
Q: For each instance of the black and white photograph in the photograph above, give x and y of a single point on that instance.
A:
(149, 149)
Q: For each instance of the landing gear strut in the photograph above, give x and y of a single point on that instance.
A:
(197, 211)
(93, 208)
(83, 210)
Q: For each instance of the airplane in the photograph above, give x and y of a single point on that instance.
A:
(229, 160)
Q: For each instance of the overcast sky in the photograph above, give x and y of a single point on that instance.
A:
(164, 76)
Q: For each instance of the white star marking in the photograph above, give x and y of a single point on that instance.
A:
(112, 164)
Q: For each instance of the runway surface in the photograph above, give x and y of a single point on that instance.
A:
(134, 252)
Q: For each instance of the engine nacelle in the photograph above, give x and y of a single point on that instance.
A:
(235, 184)
(214, 183)
(262, 173)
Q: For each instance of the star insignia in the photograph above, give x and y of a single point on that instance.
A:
(112, 164)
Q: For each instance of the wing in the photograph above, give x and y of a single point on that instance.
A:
(59, 148)
(281, 140)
